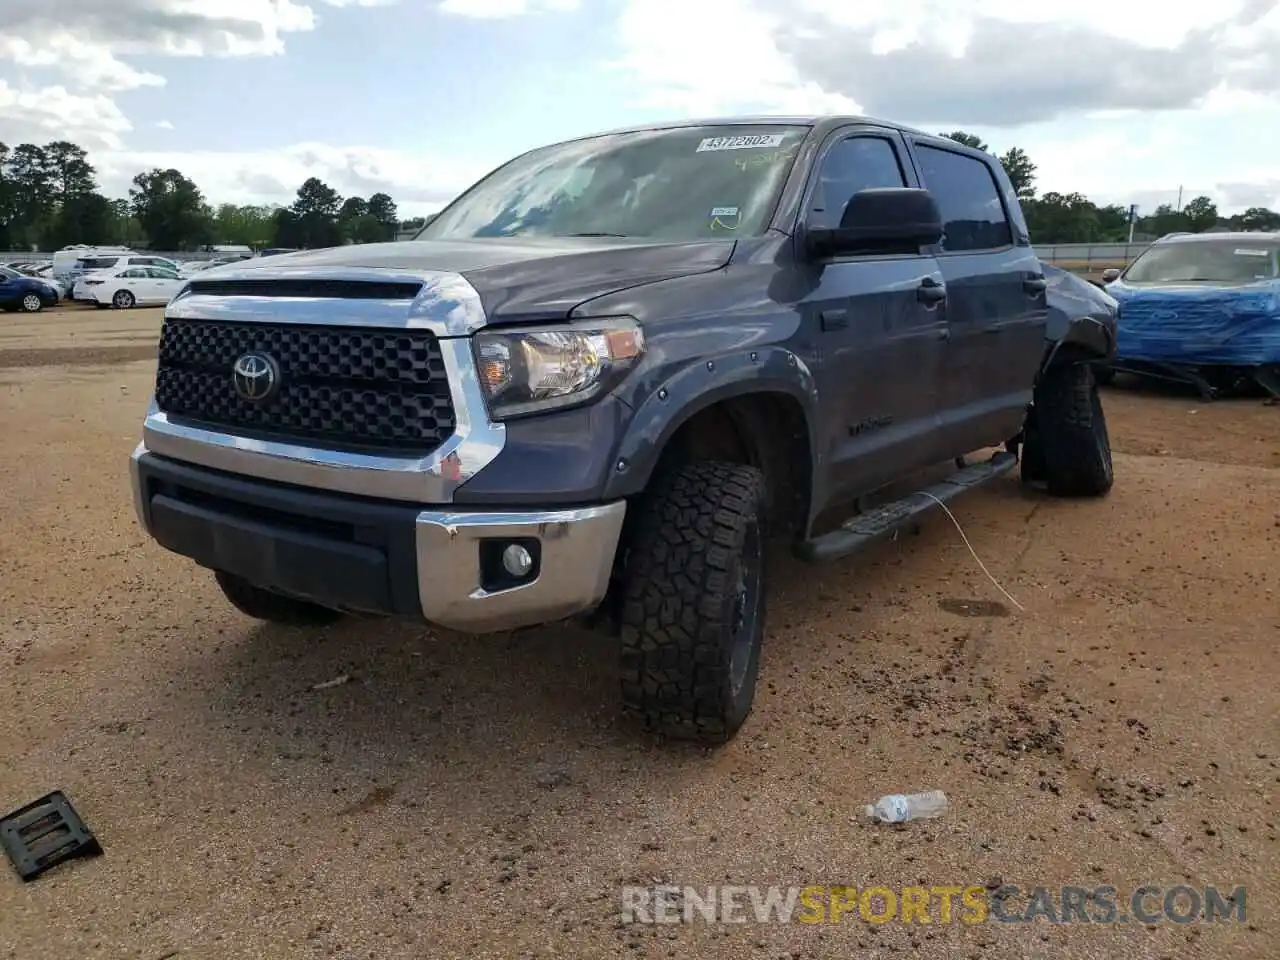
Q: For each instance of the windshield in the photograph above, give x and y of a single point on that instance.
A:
(10, 274)
(683, 183)
(1209, 261)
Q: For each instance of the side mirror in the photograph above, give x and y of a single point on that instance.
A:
(881, 220)
(1110, 274)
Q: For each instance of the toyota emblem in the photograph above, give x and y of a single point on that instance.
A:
(256, 376)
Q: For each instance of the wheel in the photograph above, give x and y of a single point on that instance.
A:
(694, 603)
(123, 300)
(273, 607)
(31, 303)
(1068, 445)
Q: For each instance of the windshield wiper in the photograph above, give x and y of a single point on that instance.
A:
(593, 235)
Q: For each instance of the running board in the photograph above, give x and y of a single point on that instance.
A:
(867, 528)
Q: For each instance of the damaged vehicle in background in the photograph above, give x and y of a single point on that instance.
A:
(1202, 309)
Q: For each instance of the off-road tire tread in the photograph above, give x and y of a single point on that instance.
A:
(273, 607)
(1071, 432)
(685, 548)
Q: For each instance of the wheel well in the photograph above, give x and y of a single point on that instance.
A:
(764, 430)
(1068, 353)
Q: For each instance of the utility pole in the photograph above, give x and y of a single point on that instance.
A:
(1133, 220)
(1178, 209)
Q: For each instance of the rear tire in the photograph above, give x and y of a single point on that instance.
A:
(262, 604)
(123, 300)
(694, 603)
(1067, 445)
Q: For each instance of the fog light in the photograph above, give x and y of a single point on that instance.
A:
(516, 560)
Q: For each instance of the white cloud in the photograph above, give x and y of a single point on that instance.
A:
(502, 9)
(1113, 100)
(164, 124)
(418, 184)
(53, 113)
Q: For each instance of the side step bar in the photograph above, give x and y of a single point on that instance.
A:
(867, 528)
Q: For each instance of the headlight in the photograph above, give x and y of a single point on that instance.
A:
(533, 371)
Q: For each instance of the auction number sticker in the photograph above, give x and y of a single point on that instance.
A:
(756, 142)
(1242, 252)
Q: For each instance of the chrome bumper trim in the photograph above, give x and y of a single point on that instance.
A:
(578, 547)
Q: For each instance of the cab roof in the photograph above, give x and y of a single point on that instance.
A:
(822, 121)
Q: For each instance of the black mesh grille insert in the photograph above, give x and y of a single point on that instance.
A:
(343, 387)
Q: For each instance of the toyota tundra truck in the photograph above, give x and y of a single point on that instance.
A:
(608, 376)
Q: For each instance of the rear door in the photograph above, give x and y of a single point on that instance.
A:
(996, 300)
(880, 340)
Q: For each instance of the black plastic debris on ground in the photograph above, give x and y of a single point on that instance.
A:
(45, 833)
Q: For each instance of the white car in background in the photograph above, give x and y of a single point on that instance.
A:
(129, 286)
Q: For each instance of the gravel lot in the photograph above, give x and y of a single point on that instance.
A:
(480, 798)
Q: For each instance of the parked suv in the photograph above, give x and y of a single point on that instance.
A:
(106, 262)
(606, 374)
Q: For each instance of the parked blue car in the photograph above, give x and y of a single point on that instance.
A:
(20, 292)
(1203, 309)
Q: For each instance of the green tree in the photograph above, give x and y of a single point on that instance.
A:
(171, 210)
(69, 172)
(1201, 214)
(251, 225)
(968, 139)
(32, 198)
(383, 209)
(1062, 218)
(1256, 218)
(83, 218)
(1165, 220)
(1021, 172)
(313, 219)
(7, 199)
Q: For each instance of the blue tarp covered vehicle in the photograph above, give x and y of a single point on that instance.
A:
(1204, 309)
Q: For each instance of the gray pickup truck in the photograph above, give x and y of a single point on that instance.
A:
(604, 378)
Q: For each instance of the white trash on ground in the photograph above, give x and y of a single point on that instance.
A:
(899, 808)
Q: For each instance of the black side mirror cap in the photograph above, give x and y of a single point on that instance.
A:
(882, 220)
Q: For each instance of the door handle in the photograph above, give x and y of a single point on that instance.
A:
(931, 291)
(1034, 285)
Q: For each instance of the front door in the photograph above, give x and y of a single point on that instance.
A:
(882, 328)
(996, 305)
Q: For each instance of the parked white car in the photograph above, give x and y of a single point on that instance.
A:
(128, 287)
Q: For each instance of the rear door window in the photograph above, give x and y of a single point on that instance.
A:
(973, 215)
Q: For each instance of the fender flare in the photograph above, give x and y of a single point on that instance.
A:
(695, 387)
(1084, 338)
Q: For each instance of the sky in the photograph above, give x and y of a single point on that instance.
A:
(1122, 101)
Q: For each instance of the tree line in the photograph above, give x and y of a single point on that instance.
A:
(49, 198)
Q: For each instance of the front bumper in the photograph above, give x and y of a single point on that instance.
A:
(379, 556)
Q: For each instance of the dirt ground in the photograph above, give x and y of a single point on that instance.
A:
(475, 798)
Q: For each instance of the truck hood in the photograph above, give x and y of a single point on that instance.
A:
(517, 280)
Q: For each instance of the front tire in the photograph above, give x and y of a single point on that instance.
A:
(262, 604)
(31, 303)
(694, 604)
(1067, 444)
(123, 300)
